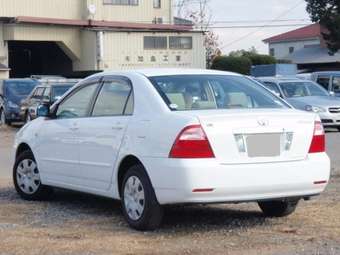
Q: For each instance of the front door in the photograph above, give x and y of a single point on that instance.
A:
(102, 135)
(59, 148)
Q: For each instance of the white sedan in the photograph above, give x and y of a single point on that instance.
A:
(168, 136)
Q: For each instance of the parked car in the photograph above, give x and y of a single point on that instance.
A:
(12, 91)
(173, 136)
(308, 96)
(329, 80)
(48, 91)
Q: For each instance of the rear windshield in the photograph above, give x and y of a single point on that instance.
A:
(19, 88)
(60, 90)
(204, 92)
(302, 89)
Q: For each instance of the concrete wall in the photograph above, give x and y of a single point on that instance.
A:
(77, 9)
(282, 48)
(66, 37)
(123, 50)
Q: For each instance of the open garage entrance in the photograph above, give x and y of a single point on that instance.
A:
(43, 58)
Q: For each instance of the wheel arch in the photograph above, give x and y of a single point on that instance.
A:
(127, 162)
(21, 148)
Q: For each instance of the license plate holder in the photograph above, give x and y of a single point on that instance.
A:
(263, 145)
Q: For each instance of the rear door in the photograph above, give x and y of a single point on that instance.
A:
(101, 135)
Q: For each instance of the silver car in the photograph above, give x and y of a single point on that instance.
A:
(306, 95)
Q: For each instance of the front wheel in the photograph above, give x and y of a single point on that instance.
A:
(278, 208)
(26, 178)
(140, 206)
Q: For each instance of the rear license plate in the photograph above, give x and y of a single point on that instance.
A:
(263, 145)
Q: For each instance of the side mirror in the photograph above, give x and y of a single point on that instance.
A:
(43, 110)
(332, 93)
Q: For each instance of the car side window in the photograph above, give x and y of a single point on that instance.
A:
(78, 104)
(336, 84)
(324, 81)
(115, 98)
(47, 93)
(38, 93)
(272, 87)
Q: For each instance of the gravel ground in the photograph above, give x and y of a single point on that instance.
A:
(74, 223)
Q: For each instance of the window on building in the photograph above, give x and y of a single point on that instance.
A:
(155, 42)
(180, 42)
(121, 2)
(157, 4)
(291, 50)
(272, 52)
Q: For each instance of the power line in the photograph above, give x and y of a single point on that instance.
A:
(261, 27)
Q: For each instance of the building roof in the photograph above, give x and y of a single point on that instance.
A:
(313, 55)
(102, 24)
(307, 32)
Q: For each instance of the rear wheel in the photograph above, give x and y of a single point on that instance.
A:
(26, 178)
(339, 129)
(278, 208)
(140, 206)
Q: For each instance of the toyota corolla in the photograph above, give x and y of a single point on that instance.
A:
(166, 136)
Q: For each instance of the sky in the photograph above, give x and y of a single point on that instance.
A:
(250, 13)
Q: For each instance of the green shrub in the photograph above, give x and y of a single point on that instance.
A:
(240, 65)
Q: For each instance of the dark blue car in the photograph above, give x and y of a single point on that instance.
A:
(12, 92)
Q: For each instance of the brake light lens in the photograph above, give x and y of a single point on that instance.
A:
(192, 142)
(318, 141)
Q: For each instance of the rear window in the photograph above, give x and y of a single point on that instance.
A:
(204, 92)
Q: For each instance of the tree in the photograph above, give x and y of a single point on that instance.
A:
(254, 56)
(201, 18)
(240, 65)
(326, 12)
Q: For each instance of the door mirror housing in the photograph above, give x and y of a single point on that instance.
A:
(43, 110)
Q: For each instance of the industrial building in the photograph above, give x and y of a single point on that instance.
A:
(80, 37)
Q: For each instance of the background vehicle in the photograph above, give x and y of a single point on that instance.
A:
(12, 91)
(48, 91)
(328, 80)
(170, 136)
(308, 96)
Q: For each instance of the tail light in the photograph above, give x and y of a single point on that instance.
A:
(318, 141)
(192, 142)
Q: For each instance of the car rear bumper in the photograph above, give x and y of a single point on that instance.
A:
(175, 180)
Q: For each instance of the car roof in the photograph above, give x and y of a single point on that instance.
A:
(281, 79)
(19, 79)
(152, 72)
(327, 72)
(58, 82)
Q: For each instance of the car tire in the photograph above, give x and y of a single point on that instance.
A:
(278, 208)
(139, 203)
(27, 180)
(339, 129)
